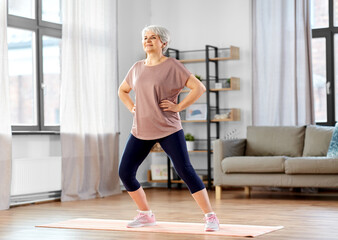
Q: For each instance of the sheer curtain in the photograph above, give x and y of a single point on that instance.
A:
(89, 104)
(282, 75)
(5, 123)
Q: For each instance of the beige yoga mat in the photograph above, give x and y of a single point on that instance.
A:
(163, 227)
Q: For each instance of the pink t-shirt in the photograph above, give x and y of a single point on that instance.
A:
(151, 85)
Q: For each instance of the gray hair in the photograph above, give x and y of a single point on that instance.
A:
(162, 32)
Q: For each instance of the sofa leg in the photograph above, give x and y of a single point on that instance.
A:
(218, 192)
(247, 191)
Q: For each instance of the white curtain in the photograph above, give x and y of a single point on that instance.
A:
(89, 102)
(5, 123)
(282, 75)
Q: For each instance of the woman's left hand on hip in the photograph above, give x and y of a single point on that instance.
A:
(167, 105)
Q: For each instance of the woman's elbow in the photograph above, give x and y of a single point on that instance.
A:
(202, 88)
(120, 92)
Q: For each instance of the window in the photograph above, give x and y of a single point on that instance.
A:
(319, 78)
(34, 61)
(324, 24)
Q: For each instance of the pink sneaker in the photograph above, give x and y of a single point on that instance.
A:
(142, 220)
(211, 223)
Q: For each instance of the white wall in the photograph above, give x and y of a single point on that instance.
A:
(192, 23)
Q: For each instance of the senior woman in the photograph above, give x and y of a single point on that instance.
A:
(157, 81)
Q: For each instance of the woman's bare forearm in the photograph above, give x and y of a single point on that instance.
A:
(126, 99)
(197, 89)
(192, 97)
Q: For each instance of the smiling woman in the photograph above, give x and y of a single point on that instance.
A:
(157, 82)
(155, 33)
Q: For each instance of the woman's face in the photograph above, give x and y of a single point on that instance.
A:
(152, 43)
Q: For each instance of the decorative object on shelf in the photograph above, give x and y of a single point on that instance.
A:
(203, 177)
(230, 114)
(157, 148)
(196, 111)
(159, 172)
(228, 83)
(189, 139)
(223, 116)
(218, 85)
(198, 77)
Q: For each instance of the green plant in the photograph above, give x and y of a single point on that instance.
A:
(189, 137)
(227, 82)
(198, 77)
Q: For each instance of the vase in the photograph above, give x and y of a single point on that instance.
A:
(190, 145)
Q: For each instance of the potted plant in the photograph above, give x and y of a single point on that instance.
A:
(227, 83)
(198, 77)
(190, 141)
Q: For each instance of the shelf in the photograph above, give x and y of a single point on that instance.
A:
(199, 151)
(234, 85)
(214, 85)
(202, 121)
(166, 181)
(234, 54)
(235, 115)
(199, 148)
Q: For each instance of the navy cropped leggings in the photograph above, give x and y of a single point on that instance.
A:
(174, 145)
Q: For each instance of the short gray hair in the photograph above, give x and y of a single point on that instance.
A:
(162, 32)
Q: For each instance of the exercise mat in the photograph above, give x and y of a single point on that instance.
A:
(163, 227)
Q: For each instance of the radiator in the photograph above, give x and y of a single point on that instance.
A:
(35, 179)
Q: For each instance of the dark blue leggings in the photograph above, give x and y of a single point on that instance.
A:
(174, 145)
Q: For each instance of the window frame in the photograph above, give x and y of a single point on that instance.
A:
(41, 28)
(328, 34)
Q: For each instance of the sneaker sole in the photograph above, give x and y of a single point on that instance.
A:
(211, 230)
(142, 225)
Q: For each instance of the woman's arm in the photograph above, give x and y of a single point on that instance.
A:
(123, 92)
(197, 89)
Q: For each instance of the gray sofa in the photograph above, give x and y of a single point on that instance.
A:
(276, 157)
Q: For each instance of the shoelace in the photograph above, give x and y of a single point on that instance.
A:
(140, 215)
(211, 219)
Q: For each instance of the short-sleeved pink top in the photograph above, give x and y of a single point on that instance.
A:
(151, 85)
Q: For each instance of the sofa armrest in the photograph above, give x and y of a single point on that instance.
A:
(225, 148)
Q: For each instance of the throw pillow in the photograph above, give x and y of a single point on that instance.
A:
(317, 140)
(233, 147)
(333, 148)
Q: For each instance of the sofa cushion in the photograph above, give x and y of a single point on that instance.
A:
(253, 164)
(275, 141)
(311, 165)
(317, 140)
(333, 148)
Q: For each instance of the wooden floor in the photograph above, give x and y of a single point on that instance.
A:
(304, 216)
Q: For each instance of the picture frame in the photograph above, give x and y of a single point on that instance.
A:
(197, 111)
(160, 172)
